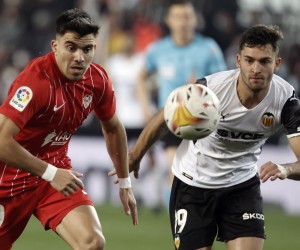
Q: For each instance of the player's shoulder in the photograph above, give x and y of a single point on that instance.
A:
(282, 85)
(222, 78)
(97, 72)
(160, 45)
(34, 74)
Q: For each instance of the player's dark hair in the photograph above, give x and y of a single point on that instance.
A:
(76, 20)
(261, 35)
(170, 3)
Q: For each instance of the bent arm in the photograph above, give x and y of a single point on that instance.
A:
(116, 143)
(291, 171)
(12, 153)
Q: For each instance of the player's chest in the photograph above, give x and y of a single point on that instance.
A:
(70, 105)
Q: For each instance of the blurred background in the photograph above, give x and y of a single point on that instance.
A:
(27, 28)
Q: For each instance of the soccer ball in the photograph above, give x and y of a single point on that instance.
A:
(192, 111)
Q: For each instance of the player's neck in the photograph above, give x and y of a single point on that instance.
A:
(182, 41)
(249, 98)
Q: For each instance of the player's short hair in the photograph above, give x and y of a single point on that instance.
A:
(76, 20)
(261, 35)
(171, 3)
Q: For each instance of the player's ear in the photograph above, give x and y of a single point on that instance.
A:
(54, 45)
(238, 60)
(278, 61)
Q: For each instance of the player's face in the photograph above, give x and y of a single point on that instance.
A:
(257, 65)
(181, 19)
(74, 54)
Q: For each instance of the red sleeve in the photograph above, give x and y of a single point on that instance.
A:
(25, 98)
(106, 107)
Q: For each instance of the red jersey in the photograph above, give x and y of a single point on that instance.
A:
(48, 108)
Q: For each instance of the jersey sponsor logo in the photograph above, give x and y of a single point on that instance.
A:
(267, 119)
(55, 108)
(187, 176)
(57, 139)
(239, 135)
(21, 98)
(86, 100)
(253, 216)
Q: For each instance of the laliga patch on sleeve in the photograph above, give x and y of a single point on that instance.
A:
(21, 98)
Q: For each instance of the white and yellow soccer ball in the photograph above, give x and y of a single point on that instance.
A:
(192, 111)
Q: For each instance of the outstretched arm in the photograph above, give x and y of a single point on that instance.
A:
(153, 131)
(116, 143)
(274, 171)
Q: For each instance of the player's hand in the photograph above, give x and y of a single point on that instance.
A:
(67, 181)
(129, 204)
(134, 165)
(270, 171)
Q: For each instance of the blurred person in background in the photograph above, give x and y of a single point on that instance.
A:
(182, 56)
(123, 68)
(45, 105)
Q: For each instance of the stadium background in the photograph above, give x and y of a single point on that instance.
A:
(26, 30)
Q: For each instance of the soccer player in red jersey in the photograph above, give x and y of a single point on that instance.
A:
(45, 105)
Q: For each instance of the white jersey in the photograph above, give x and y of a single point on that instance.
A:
(229, 155)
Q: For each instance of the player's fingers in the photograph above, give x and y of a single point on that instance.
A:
(124, 199)
(134, 211)
(264, 176)
(77, 183)
(112, 172)
(136, 174)
(77, 174)
(67, 191)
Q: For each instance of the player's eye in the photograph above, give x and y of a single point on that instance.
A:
(87, 49)
(265, 61)
(71, 48)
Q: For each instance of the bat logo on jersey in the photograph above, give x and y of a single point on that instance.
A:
(267, 119)
(21, 98)
(57, 139)
(86, 100)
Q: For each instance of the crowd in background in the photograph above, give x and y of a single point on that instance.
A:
(27, 29)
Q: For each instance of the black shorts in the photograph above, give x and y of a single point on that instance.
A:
(170, 140)
(199, 215)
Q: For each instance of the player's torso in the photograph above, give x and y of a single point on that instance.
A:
(229, 155)
(56, 109)
(66, 106)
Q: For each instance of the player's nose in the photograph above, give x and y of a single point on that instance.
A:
(79, 56)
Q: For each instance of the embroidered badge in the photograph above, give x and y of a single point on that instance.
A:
(21, 98)
(86, 100)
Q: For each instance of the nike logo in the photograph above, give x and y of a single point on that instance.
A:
(55, 108)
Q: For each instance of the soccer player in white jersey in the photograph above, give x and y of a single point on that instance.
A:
(46, 104)
(216, 189)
